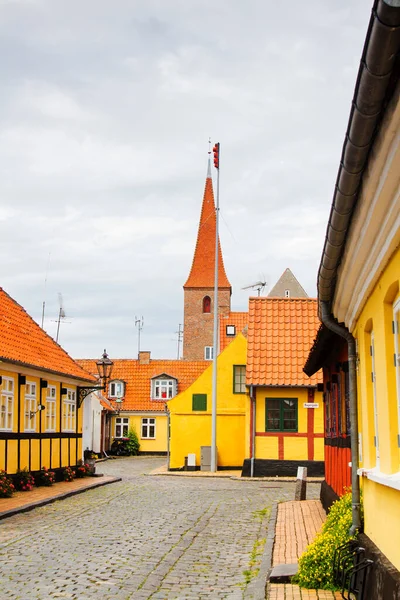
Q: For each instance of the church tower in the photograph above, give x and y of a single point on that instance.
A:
(199, 287)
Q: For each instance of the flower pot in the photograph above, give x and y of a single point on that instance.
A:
(92, 465)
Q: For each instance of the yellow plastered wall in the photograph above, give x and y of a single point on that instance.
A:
(294, 447)
(381, 502)
(159, 443)
(191, 430)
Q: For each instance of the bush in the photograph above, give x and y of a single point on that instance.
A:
(24, 480)
(82, 470)
(6, 485)
(132, 444)
(45, 477)
(68, 474)
(316, 564)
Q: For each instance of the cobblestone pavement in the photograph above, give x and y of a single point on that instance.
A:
(144, 537)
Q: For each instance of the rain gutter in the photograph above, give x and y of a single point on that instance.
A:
(377, 75)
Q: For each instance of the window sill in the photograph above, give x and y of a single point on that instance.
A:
(392, 481)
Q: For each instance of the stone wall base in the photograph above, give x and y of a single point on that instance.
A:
(283, 468)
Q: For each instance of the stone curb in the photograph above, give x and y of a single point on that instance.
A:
(235, 477)
(27, 507)
(256, 590)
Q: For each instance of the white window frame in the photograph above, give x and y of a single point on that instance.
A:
(121, 422)
(148, 423)
(69, 410)
(30, 406)
(239, 383)
(396, 332)
(287, 293)
(230, 330)
(51, 408)
(208, 352)
(119, 389)
(161, 383)
(7, 404)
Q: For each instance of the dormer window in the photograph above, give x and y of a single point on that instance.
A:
(163, 388)
(116, 389)
(206, 304)
(230, 330)
(287, 293)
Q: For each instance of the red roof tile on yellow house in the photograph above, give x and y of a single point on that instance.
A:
(239, 320)
(137, 378)
(202, 271)
(23, 342)
(280, 334)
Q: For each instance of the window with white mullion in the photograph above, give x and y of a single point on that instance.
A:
(30, 406)
(121, 427)
(51, 408)
(7, 404)
(396, 332)
(148, 428)
(164, 389)
(69, 411)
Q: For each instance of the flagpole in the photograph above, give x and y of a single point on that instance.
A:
(214, 464)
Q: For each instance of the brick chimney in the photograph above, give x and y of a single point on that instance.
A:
(144, 357)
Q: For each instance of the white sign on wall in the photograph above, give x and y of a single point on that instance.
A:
(311, 404)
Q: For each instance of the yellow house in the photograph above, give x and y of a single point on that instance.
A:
(190, 411)
(40, 415)
(138, 392)
(285, 411)
(359, 297)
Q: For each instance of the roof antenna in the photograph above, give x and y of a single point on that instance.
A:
(61, 314)
(258, 285)
(45, 286)
(180, 336)
(139, 322)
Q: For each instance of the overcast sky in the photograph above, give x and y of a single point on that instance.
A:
(106, 108)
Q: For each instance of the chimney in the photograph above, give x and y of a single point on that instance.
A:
(144, 357)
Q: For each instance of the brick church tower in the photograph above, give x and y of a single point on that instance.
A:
(199, 287)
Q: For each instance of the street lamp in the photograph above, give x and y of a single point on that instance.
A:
(104, 368)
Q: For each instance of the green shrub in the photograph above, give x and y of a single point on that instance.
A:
(316, 563)
(24, 480)
(45, 477)
(133, 445)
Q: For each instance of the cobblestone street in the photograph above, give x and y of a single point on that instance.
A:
(144, 537)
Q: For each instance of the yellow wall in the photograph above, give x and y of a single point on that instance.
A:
(37, 451)
(159, 443)
(191, 430)
(381, 502)
(294, 446)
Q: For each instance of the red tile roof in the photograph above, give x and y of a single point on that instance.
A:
(202, 271)
(238, 319)
(137, 378)
(23, 342)
(280, 334)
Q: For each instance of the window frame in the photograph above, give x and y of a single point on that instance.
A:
(206, 305)
(157, 382)
(209, 350)
(30, 405)
(240, 383)
(199, 398)
(121, 422)
(7, 401)
(281, 415)
(287, 293)
(227, 332)
(69, 410)
(146, 424)
(116, 382)
(51, 408)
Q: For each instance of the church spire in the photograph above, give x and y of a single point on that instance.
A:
(202, 271)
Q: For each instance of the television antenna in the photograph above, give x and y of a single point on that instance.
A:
(180, 337)
(139, 322)
(258, 285)
(61, 314)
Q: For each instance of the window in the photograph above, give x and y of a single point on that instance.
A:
(208, 353)
(230, 330)
(6, 403)
(51, 408)
(199, 402)
(206, 304)
(69, 411)
(116, 389)
(30, 406)
(149, 429)
(121, 427)
(287, 293)
(396, 331)
(281, 414)
(239, 379)
(163, 389)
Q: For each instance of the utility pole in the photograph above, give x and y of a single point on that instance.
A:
(180, 337)
(216, 151)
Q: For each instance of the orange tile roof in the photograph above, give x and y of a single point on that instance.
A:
(238, 319)
(137, 379)
(23, 342)
(202, 271)
(280, 334)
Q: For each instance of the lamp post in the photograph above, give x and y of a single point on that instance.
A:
(104, 368)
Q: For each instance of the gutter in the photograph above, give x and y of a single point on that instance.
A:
(252, 428)
(331, 324)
